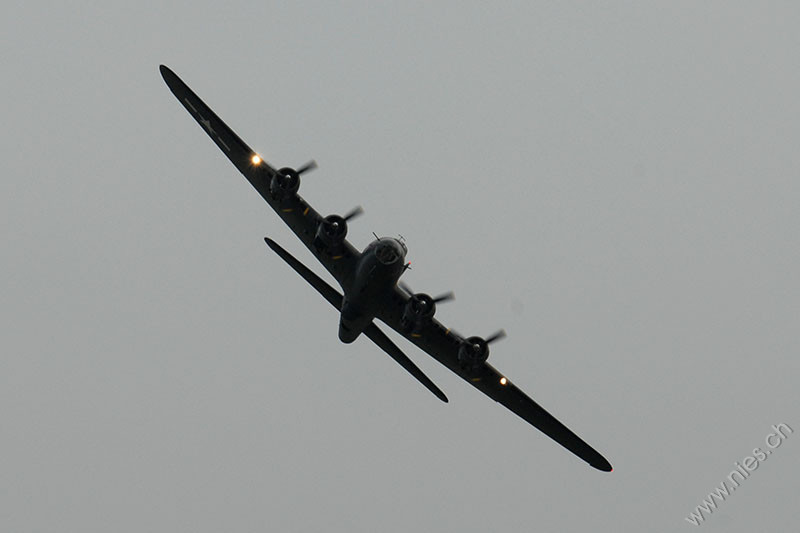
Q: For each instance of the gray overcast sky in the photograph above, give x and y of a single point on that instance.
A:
(616, 185)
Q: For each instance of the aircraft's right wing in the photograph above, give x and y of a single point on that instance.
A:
(444, 344)
(298, 215)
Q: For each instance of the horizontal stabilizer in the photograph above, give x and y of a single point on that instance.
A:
(379, 337)
(372, 331)
(327, 292)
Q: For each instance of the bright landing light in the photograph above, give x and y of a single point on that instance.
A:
(256, 159)
(503, 381)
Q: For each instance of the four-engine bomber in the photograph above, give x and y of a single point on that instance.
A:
(370, 284)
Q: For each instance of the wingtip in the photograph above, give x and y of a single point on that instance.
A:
(605, 466)
(170, 78)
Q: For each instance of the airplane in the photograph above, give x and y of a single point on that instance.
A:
(370, 283)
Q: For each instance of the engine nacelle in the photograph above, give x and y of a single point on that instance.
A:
(473, 352)
(419, 310)
(331, 232)
(284, 184)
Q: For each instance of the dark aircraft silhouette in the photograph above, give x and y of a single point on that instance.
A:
(369, 280)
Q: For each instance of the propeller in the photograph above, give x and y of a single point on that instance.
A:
(445, 297)
(474, 350)
(421, 307)
(286, 182)
(441, 298)
(290, 172)
(496, 336)
(336, 225)
(311, 165)
(333, 228)
(479, 345)
(356, 211)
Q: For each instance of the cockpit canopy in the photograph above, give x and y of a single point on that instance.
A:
(389, 251)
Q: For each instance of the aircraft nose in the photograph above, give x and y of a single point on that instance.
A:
(389, 251)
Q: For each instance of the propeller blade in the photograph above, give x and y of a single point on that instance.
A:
(497, 336)
(311, 165)
(354, 213)
(445, 297)
(405, 287)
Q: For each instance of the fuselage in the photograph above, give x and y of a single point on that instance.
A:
(381, 264)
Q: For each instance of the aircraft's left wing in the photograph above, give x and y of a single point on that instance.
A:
(443, 345)
(301, 218)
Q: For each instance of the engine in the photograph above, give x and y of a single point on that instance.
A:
(418, 311)
(473, 352)
(284, 184)
(333, 229)
(331, 232)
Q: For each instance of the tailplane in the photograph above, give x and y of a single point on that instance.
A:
(369, 329)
